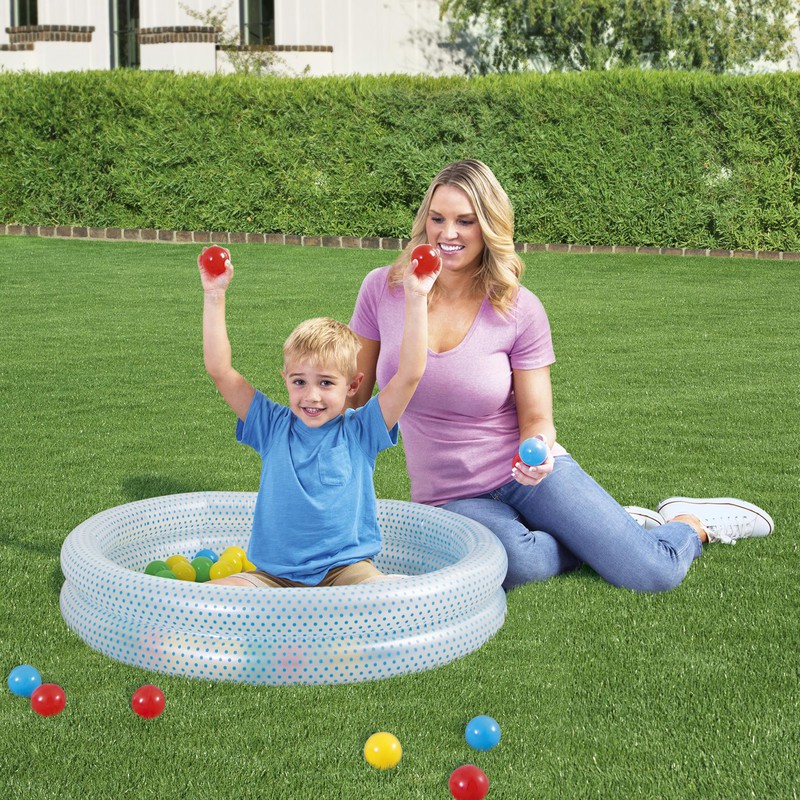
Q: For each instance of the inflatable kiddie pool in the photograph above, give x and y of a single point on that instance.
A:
(451, 603)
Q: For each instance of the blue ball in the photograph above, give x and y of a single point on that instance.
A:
(483, 733)
(207, 554)
(533, 451)
(24, 680)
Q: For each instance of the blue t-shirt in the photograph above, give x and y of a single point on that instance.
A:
(316, 506)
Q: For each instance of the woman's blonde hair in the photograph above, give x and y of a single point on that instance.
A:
(500, 271)
(323, 340)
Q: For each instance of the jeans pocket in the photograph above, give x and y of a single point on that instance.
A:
(334, 467)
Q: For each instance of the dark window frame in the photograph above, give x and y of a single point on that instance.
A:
(258, 31)
(124, 18)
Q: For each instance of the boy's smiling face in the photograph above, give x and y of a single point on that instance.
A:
(317, 392)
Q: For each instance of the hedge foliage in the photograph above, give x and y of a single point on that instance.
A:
(626, 158)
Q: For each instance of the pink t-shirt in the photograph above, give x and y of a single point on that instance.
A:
(460, 430)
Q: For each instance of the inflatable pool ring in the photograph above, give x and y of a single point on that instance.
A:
(451, 604)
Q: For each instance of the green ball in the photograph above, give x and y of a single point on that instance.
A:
(166, 573)
(202, 565)
(154, 567)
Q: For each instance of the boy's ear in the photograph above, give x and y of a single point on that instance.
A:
(354, 384)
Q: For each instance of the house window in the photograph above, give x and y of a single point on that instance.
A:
(258, 21)
(124, 40)
(24, 12)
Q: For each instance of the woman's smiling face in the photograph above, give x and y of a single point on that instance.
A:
(453, 228)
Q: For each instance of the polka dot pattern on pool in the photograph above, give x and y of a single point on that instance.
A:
(451, 603)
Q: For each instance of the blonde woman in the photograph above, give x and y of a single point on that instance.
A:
(487, 388)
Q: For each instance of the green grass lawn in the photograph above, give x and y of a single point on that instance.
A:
(674, 376)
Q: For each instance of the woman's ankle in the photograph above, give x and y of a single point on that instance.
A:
(695, 523)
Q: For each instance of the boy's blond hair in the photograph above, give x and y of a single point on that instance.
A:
(323, 340)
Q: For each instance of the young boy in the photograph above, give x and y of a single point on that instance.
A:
(315, 521)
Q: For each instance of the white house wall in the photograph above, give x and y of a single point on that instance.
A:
(162, 13)
(316, 37)
(68, 12)
(368, 36)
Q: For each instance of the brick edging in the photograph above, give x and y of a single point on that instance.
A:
(357, 242)
(177, 34)
(28, 34)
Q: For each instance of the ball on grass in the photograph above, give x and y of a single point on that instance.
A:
(148, 701)
(382, 750)
(468, 783)
(482, 733)
(48, 700)
(23, 680)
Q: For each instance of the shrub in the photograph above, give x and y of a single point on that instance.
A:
(627, 158)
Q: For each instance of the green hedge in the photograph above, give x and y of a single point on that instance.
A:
(626, 158)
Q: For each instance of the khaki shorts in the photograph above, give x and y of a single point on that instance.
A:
(360, 572)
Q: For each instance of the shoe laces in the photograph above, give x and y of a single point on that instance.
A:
(730, 530)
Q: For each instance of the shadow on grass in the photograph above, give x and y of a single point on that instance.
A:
(136, 487)
(142, 487)
(49, 550)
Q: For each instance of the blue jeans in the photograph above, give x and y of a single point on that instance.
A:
(569, 520)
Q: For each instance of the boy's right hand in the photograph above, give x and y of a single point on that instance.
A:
(215, 282)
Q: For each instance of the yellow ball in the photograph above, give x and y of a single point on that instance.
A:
(178, 559)
(233, 563)
(383, 750)
(237, 552)
(221, 569)
(184, 571)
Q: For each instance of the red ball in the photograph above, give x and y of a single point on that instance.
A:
(48, 700)
(427, 258)
(148, 701)
(213, 259)
(468, 783)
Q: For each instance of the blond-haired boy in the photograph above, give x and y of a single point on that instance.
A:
(315, 521)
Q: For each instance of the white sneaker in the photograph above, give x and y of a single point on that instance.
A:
(645, 517)
(725, 519)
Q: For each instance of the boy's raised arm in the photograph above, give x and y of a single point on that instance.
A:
(397, 393)
(235, 390)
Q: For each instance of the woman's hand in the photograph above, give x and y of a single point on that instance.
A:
(533, 476)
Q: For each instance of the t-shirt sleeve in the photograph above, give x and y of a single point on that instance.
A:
(255, 430)
(372, 432)
(533, 345)
(364, 321)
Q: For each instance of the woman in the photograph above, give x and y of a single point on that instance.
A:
(487, 388)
